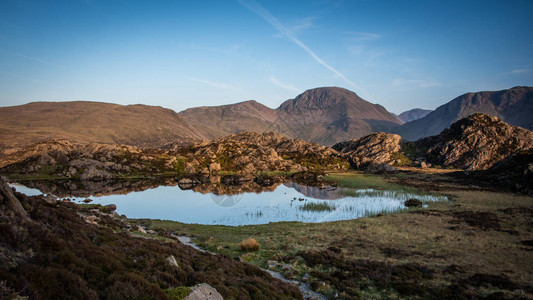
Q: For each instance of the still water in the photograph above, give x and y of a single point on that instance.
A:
(283, 202)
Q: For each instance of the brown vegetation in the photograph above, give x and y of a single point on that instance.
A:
(249, 245)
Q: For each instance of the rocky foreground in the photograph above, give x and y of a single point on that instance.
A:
(58, 250)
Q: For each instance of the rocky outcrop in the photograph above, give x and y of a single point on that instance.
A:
(376, 148)
(246, 153)
(250, 152)
(476, 143)
(61, 159)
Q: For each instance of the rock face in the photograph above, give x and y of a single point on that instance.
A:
(377, 148)
(8, 200)
(476, 143)
(413, 114)
(204, 292)
(513, 106)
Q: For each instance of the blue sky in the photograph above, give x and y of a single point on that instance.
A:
(179, 54)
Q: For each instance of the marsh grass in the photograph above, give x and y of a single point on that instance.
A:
(312, 206)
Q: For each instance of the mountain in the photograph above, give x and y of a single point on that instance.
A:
(85, 122)
(212, 122)
(330, 115)
(322, 115)
(414, 114)
(514, 106)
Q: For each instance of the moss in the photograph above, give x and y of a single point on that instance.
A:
(178, 293)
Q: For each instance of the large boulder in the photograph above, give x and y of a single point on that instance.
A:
(377, 148)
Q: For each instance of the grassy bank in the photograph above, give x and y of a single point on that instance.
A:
(477, 245)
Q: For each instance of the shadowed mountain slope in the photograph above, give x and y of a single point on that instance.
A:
(513, 106)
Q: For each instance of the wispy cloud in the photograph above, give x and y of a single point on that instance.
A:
(29, 58)
(282, 85)
(520, 71)
(421, 83)
(265, 14)
(218, 85)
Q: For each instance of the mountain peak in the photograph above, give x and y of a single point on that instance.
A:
(320, 98)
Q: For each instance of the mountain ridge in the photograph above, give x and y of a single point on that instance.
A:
(514, 106)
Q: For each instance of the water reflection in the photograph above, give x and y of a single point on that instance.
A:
(247, 202)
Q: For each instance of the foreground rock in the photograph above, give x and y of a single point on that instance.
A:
(204, 292)
(476, 143)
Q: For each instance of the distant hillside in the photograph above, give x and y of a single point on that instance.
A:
(84, 122)
(514, 106)
(413, 114)
(212, 122)
(322, 115)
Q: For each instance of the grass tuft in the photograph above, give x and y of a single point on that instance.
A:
(249, 245)
(317, 207)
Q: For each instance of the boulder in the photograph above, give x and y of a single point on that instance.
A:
(380, 169)
(413, 203)
(214, 167)
(377, 148)
(204, 292)
(92, 173)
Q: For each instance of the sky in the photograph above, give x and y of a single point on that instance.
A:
(181, 54)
